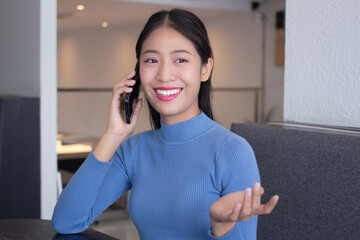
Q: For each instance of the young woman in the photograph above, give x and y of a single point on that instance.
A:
(190, 177)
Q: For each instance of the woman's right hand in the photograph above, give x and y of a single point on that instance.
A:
(117, 125)
(117, 129)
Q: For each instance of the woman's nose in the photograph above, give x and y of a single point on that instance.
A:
(165, 73)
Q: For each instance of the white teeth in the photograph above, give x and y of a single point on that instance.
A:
(168, 92)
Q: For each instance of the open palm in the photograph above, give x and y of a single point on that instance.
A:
(241, 205)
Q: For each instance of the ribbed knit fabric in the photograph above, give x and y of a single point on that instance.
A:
(175, 174)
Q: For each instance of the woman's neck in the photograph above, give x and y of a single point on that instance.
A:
(174, 119)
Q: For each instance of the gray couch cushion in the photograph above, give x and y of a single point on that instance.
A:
(317, 175)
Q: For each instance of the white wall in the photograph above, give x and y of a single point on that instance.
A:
(96, 57)
(100, 57)
(28, 69)
(20, 48)
(322, 62)
(274, 75)
(236, 42)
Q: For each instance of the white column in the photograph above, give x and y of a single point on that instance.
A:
(48, 107)
(322, 66)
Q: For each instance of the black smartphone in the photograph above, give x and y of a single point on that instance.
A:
(129, 97)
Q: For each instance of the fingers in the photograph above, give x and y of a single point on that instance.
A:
(252, 203)
(269, 206)
(130, 75)
(246, 208)
(126, 81)
(116, 98)
(123, 86)
(235, 213)
(252, 200)
(257, 207)
(256, 199)
(137, 104)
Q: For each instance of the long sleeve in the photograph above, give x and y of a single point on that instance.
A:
(94, 187)
(237, 170)
(175, 174)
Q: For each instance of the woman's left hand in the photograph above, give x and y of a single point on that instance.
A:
(239, 206)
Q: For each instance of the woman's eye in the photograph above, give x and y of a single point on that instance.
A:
(151, 61)
(180, 60)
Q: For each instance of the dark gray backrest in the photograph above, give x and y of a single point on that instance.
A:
(317, 175)
(19, 157)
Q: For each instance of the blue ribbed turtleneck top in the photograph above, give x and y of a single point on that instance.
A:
(175, 174)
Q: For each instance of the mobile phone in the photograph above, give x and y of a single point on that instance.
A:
(129, 97)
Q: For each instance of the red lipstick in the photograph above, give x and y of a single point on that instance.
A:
(167, 93)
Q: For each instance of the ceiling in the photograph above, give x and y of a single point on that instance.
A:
(125, 12)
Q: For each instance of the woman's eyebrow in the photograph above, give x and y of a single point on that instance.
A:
(172, 52)
(181, 51)
(149, 51)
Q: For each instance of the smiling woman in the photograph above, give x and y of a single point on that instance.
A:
(190, 178)
(182, 39)
(171, 73)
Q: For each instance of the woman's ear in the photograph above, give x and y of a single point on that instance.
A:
(206, 70)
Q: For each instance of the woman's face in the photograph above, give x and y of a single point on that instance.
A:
(171, 73)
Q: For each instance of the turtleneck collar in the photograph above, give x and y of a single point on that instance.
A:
(186, 131)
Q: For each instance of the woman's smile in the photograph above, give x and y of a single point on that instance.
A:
(167, 93)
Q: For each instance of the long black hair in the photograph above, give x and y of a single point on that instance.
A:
(193, 29)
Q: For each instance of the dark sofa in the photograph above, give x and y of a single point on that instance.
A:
(19, 157)
(316, 173)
